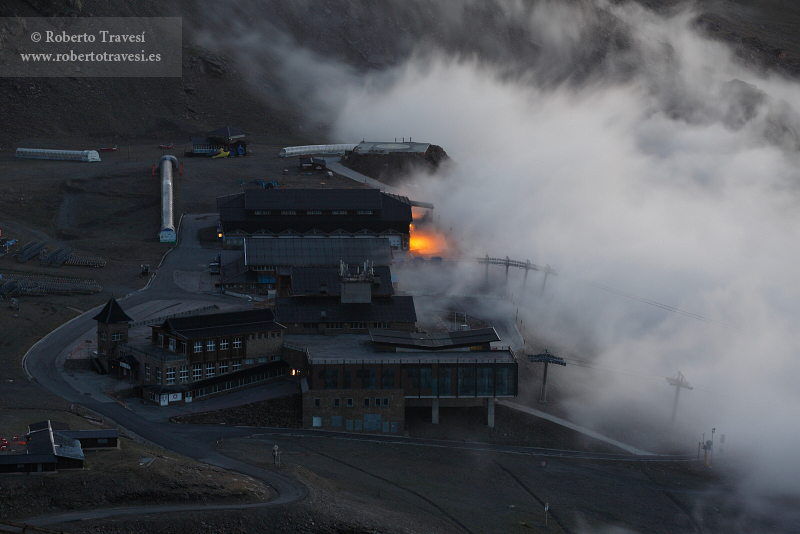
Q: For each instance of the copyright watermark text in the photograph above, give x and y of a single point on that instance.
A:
(90, 47)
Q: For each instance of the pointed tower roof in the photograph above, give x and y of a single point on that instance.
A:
(112, 313)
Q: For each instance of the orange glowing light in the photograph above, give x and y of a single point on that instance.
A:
(426, 241)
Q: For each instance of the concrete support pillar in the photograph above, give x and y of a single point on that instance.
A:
(435, 412)
(491, 412)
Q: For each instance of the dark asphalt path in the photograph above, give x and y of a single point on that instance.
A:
(189, 440)
(197, 441)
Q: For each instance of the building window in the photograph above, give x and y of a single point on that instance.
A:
(237, 343)
(366, 401)
(197, 371)
(262, 359)
(365, 212)
(248, 361)
(172, 344)
(198, 347)
(367, 377)
(147, 372)
(317, 403)
(236, 365)
(223, 367)
(184, 374)
(211, 369)
(316, 421)
(117, 336)
(339, 212)
(210, 345)
(377, 402)
(388, 379)
(288, 212)
(336, 421)
(330, 377)
(158, 375)
(335, 403)
(102, 336)
(349, 403)
(170, 375)
(313, 212)
(182, 347)
(386, 401)
(223, 344)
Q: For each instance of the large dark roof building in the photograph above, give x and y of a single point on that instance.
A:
(321, 314)
(347, 299)
(357, 383)
(315, 212)
(321, 281)
(194, 356)
(267, 264)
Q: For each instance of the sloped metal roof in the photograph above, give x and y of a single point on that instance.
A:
(435, 341)
(222, 324)
(316, 252)
(388, 147)
(313, 199)
(227, 132)
(310, 280)
(112, 313)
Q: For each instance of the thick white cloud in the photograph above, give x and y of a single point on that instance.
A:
(650, 185)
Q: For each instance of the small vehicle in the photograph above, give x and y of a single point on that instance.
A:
(108, 149)
(167, 146)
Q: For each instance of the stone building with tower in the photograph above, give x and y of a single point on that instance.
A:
(182, 358)
(112, 328)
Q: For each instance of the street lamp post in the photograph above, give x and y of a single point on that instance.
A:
(712, 443)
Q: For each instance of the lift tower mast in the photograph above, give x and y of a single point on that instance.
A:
(679, 382)
(546, 358)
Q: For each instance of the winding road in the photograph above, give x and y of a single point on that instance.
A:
(197, 441)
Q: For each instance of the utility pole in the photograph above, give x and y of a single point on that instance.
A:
(679, 382)
(546, 358)
(547, 270)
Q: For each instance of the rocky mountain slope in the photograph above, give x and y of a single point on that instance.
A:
(252, 65)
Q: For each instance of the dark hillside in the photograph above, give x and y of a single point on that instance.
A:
(224, 82)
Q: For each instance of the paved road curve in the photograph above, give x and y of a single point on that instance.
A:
(189, 440)
(197, 441)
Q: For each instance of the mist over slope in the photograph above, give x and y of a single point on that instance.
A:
(626, 149)
(654, 152)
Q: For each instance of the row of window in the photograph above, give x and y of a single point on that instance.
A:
(371, 423)
(378, 402)
(313, 212)
(341, 326)
(252, 379)
(117, 336)
(210, 344)
(211, 370)
(470, 380)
